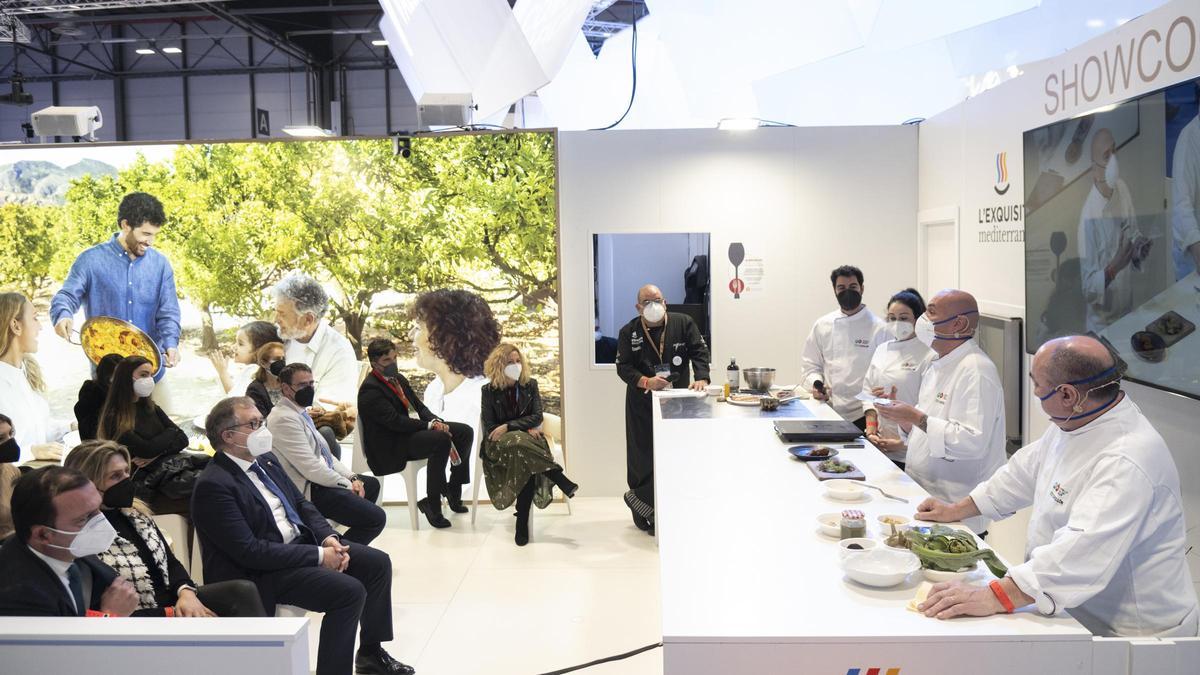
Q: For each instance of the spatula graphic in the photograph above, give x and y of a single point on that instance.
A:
(737, 254)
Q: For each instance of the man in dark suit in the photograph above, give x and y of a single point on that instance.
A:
(49, 566)
(397, 427)
(254, 524)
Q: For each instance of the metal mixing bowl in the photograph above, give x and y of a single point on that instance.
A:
(759, 379)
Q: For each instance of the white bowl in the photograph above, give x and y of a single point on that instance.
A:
(865, 544)
(901, 522)
(938, 576)
(844, 490)
(830, 524)
(880, 567)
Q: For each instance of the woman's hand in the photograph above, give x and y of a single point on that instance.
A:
(536, 433)
(498, 432)
(190, 606)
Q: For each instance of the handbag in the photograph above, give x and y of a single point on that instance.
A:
(172, 476)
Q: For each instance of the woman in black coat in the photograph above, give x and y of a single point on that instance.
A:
(91, 396)
(517, 464)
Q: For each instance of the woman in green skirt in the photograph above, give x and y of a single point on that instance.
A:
(517, 464)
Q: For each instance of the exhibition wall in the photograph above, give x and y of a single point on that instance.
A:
(958, 154)
(801, 200)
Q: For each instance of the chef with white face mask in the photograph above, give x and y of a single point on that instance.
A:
(895, 371)
(956, 431)
(1106, 539)
(1111, 246)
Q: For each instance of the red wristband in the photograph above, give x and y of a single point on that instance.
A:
(169, 612)
(92, 612)
(998, 591)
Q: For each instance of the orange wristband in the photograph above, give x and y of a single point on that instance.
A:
(998, 591)
(169, 612)
(92, 612)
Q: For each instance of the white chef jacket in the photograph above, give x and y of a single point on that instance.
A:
(1185, 186)
(1106, 539)
(1100, 225)
(898, 364)
(464, 404)
(964, 442)
(331, 358)
(837, 352)
(29, 412)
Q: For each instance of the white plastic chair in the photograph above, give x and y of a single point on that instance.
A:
(175, 528)
(552, 428)
(410, 489)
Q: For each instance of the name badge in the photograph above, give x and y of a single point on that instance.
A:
(677, 361)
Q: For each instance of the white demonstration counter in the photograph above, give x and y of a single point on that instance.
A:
(749, 585)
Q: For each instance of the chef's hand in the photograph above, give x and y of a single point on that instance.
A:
(172, 357)
(698, 385)
(819, 395)
(63, 328)
(657, 383)
(498, 432)
(900, 413)
(886, 444)
(881, 392)
(955, 598)
(1121, 259)
(936, 511)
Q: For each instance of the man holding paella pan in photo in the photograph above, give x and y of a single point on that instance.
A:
(125, 278)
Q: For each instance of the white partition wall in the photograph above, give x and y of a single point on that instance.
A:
(805, 200)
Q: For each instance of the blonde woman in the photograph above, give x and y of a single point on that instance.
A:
(517, 464)
(21, 384)
(140, 552)
(264, 388)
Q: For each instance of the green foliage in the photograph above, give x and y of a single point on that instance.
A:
(28, 238)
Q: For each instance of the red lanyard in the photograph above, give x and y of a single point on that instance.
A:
(398, 392)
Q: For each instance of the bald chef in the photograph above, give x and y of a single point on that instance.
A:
(654, 351)
(1106, 540)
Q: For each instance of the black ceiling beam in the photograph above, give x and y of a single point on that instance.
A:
(266, 35)
(366, 8)
(59, 57)
(152, 74)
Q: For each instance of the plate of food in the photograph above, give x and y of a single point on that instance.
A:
(744, 399)
(1148, 346)
(1171, 327)
(102, 335)
(812, 453)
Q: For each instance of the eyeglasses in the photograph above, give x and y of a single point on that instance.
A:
(254, 425)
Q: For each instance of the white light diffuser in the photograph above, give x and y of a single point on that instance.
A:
(306, 130)
(144, 51)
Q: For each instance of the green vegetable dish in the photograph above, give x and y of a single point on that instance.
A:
(835, 466)
(950, 550)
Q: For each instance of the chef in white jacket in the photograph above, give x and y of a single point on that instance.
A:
(1111, 247)
(1185, 193)
(896, 370)
(956, 431)
(840, 345)
(1106, 538)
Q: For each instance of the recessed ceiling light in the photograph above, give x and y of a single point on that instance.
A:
(172, 50)
(144, 51)
(379, 43)
(1095, 23)
(305, 130)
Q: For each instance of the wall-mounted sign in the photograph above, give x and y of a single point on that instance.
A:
(262, 122)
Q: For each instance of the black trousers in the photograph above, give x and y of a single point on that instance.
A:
(238, 597)
(359, 597)
(639, 444)
(435, 447)
(362, 515)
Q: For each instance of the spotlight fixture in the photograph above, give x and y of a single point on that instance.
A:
(306, 130)
(402, 145)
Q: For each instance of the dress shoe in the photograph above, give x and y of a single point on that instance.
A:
(641, 523)
(454, 499)
(522, 537)
(432, 508)
(377, 661)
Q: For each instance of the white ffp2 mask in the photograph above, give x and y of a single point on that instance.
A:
(93, 538)
(259, 441)
(143, 387)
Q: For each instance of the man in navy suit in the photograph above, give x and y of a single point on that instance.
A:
(49, 566)
(254, 524)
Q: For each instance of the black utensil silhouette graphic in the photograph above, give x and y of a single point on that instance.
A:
(737, 254)
(1058, 244)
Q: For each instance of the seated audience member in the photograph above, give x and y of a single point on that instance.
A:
(1107, 541)
(140, 553)
(132, 419)
(246, 343)
(92, 395)
(398, 427)
(22, 389)
(264, 388)
(50, 565)
(254, 524)
(516, 457)
(10, 452)
(335, 490)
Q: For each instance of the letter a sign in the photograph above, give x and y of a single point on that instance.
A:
(262, 122)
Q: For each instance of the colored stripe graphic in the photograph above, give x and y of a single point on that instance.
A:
(853, 671)
(1001, 168)
(872, 671)
(893, 671)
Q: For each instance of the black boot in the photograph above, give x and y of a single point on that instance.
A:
(432, 508)
(558, 478)
(524, 503)
(454, 498)
(522, 537)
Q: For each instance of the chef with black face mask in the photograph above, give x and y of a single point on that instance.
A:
(654, 352)
(838, 350)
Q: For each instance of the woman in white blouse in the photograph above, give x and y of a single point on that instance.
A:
(21, 384)
(896, 370)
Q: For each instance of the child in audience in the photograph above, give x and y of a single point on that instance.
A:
(248, 340)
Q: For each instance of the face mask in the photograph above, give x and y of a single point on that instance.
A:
(120, 495)
(259, 441)
(276, 367)
(926, 332)
(900, 330)
(1078, 411)
(143, 387)
(654, 312)
(849, 299)
(94, 538)
(1112, 172)
(513, 371)
(9, 451)
(391, 370)
(598, 335)
(305, 396)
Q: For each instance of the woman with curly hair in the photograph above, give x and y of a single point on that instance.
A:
(454, 332)
(517, 464)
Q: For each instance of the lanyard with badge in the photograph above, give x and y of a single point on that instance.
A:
(661, 369)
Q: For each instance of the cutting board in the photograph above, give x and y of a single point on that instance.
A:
(854, 474)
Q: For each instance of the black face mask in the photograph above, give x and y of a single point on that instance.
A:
(120, 495)
(276, 367)
(849, 299)
(305, 396)
(391, 370)
(9, 451)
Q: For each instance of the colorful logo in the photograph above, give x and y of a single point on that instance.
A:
(1001, 185)
(1058, 492)
(873, 671)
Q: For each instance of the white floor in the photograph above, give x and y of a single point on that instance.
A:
(470, 601)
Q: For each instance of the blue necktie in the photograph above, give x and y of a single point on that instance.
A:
(328, 456)
(75, 580)
(292, 516)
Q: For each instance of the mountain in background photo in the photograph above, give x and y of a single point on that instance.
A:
(37, 182)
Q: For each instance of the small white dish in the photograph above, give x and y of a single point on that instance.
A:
(830, 524)
(880, 567)
(899, 521)
(938, 576)
(844, 490)
(864, 544)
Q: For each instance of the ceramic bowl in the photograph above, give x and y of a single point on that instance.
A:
(880, 567)
(937, 576)
(844, 490)
(830, 524)
(865, 544)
